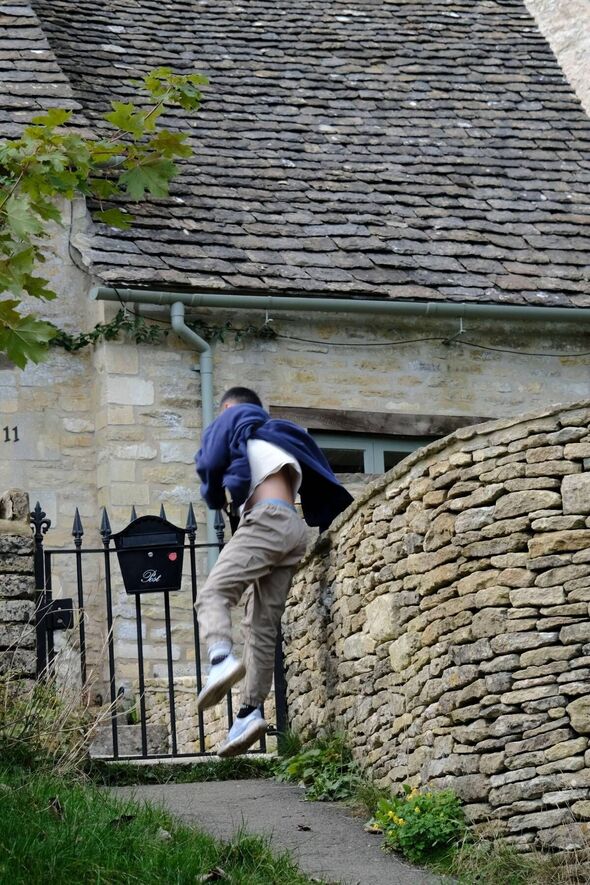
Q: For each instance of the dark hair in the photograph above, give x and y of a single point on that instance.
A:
(241, 395)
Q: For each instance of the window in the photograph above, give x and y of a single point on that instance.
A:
(356, 453)
(370, 442)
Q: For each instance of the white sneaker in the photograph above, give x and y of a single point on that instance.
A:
(243, 733)
(221, 678)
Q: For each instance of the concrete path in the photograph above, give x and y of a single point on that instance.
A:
(323, 838)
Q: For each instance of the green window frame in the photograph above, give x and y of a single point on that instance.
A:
(374, 449)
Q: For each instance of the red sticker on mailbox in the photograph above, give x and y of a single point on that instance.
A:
(172, 556)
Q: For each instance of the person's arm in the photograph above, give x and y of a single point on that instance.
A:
(212, 461)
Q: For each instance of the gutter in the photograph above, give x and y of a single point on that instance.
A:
(345, 305)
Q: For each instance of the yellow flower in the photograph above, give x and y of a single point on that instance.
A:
(391, 815)
(417, 810)
(401, 821)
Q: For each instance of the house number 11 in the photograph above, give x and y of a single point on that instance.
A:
(7, 434)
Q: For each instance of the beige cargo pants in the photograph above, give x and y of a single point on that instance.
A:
(262, 555)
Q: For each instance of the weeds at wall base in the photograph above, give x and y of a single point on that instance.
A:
(118, 774)
(461, 858)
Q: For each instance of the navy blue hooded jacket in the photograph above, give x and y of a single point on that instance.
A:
(222, 462)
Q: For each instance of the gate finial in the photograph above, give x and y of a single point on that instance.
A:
(77, 529)
(219, 525)
(39, 521)
(191, 522)
(133, 514)
(105, 526)
(162, 512)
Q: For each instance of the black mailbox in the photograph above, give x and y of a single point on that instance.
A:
(150, 552)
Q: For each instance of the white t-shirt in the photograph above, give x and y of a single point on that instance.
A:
(265, 459)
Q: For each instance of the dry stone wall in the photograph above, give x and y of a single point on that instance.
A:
(18, 655)
(443, 623)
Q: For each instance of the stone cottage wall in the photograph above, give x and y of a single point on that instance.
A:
(443, 624)
(18, 654)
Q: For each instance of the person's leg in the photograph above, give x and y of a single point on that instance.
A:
(269, 596)
(252, 552)
(264, 606)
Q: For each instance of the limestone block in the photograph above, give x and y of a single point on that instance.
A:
(121, 359)
(521, 696)
(14, 508)
(129, 493)
(492, 597)
(521, 641)
(402, 650)
(437, 578)
(575, 633)
(474, 652)
(577, 450)
(129, 391)
(553, 468)
(545, 453)
(537, 596)
(559, 576)
(497, 546)
(488, 623)
(575, 491)
(17, 636)
(567, 837)
(565, 748)
(581, 809)
(357, 646)
(538, 821)
(505, 527)
(477, 581)
(383, 618)
(474, 519)
(134, 452)
(516, 577)
(579, 714)
(484, 495)
(440, 532)
(12, 586)
(517, 503)
(504, 473)
(537, 482)
(510, 560)
(558, 542)
(17, 610)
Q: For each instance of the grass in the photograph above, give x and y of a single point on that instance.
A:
(118, 774)
(496, 862)
(69, 833)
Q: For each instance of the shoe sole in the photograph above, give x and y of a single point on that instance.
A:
(211, 696)
(245, 740)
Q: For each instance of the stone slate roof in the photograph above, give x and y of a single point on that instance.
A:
(385, 148)
(31, 79)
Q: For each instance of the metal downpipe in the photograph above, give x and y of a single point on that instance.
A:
(207, 411)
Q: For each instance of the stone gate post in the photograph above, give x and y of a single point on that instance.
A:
(18, 652)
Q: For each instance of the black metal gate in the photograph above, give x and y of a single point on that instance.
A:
(149, 554)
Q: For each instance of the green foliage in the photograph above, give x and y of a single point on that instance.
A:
(326, 770)
(121, 774)
(136, 326)
(211, 333)
(56, 830)
(51, 162)
(420, 825)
